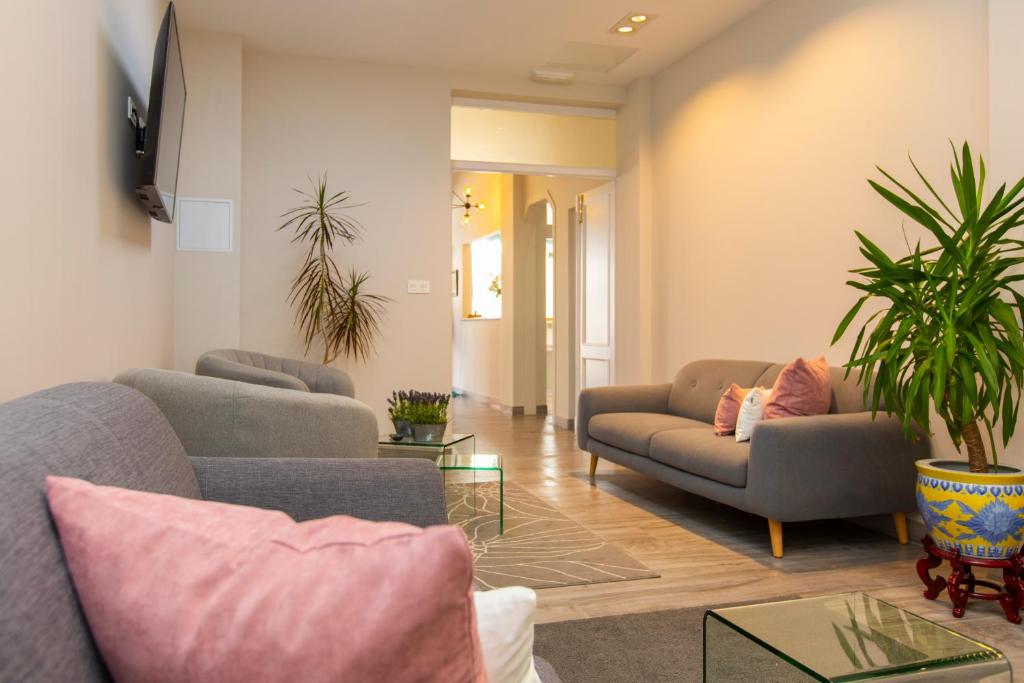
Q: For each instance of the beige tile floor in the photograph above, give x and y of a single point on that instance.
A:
(706, 553)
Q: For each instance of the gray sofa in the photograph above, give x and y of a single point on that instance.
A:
(273, 371)
(839, 465)
(111, 434)
(219, 417)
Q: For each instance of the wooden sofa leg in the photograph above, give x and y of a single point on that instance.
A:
(593, 465)
(900, 518)
(775, 529)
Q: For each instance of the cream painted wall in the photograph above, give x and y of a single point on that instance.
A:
(1006, 112)
(529, 137)
(382, 133)
(762, 140)
(207, 285)
(476, 343)
(86, 280)
(634, 220)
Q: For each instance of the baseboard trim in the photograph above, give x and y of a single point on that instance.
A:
(564, 422)
(884, 525)
(495, 403)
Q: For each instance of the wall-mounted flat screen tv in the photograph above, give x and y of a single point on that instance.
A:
(158, 181)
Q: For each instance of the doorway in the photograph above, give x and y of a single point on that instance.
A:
(523, 357)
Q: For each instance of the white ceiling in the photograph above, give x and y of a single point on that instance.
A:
(500, 37)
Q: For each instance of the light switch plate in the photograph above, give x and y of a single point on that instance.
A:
(419, 287)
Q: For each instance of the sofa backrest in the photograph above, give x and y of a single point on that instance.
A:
(104, 433)
(216, 417)
(699, 385)
(274, 371)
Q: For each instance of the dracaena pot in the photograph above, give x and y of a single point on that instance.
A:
(979, 514)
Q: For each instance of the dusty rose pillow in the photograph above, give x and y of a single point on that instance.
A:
(184, 590)
(804, 387)
(729, 409)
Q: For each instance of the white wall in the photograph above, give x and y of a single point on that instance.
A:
(381, 133)
(1006, 112)
(207, 285)
(86, 280)
(762, 142)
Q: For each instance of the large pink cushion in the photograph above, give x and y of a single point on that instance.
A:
(185, 590)
(729, 409)
(804, 387)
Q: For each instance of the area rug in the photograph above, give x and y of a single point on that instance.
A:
(541, 547)
(649, 646)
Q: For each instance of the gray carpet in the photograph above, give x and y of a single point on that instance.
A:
(649, 647)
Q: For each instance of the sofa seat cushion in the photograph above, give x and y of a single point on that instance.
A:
(701, 452)
(632, 432)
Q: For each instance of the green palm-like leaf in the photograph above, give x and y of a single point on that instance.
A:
(948, 335)
(329, 306)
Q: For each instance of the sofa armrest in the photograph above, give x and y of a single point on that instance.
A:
(642, 398)
(211, 365)
(399, 490)
(831, 466)
(219, 417)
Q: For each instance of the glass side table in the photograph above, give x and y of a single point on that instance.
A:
(847, 637)
(475, 464)
(409, 447)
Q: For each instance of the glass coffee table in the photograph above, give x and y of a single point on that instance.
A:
(475, 464)
(456, 457)
(847, 637)
(409, 447)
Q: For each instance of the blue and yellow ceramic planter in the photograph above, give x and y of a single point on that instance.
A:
(981, 515)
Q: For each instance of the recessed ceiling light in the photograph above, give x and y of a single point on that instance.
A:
(631, 23)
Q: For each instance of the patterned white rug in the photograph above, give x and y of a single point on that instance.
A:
(541, 547)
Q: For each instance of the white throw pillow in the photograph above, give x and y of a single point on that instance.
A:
(751, 411)
(504, 620)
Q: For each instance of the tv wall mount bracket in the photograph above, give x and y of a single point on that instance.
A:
(139, 126)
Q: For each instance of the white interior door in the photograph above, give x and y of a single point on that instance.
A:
(595, 287)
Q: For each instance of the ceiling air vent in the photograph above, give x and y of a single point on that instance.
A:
(553, 77)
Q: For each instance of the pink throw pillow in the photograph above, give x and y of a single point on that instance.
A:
(804, 387)
(185, 590)
(729, 409)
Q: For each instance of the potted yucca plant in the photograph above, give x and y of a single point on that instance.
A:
(330, 306)
(946, 337)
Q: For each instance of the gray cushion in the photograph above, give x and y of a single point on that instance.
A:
(104, 433)
(699, 385)
(633, 431)
(701, 452)
(274, 371)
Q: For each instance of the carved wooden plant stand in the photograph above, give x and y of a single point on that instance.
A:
(962, 584)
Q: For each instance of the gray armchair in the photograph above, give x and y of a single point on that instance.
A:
(222, 418)
(273, 371)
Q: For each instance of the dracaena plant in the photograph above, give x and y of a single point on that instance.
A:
(330, 306)
(947, 335)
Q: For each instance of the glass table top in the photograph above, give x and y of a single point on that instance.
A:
(469, 461)
(852, 636)
(449, 439)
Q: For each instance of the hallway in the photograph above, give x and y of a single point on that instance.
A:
(706, 553)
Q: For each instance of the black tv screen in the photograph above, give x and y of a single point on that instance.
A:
(158, 182)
